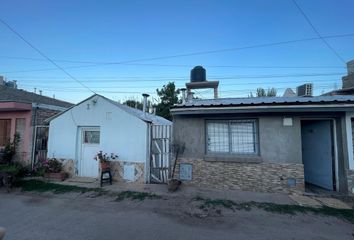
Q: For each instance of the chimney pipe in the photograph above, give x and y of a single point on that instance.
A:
(145, 95)
(183, 95)
(190, 96)
(40, 92)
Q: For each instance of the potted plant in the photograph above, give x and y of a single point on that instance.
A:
(53, 169)
(104, 159)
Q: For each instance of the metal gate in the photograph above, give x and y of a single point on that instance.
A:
(40, 143)
(160, 165)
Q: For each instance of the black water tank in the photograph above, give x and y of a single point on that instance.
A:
(198, 74)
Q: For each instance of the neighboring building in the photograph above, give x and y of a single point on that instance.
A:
(289, 93)
(273, 144)
(100, 124)
(267, 144)
(347, 82)
(24, 112)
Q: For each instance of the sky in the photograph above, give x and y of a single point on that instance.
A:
(121, 49)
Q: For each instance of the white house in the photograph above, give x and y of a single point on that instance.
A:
(100, 124)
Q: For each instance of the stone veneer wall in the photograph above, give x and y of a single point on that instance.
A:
(117, 170)
(68, 166)
(350, 178)
(265, 177)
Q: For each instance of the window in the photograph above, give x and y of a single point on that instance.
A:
(20, 126)
(92, 137)
(232, 137)
(5, 131)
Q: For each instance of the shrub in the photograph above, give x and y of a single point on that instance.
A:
(15, 169)
(48, 166)
(10, 148)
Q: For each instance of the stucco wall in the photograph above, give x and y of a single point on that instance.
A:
(121, 133)
(24, 149)
(278, 143)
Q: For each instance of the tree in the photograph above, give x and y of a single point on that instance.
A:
(134, 103)
(261, 92)
(272, 92)
(168, 97)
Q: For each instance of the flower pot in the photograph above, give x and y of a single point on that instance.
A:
(61, 176)
(105, 166)
(173, 185)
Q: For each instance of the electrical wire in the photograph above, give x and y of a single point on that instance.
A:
(179, 65)
(317, 32)
(183, 79)
(221, 84)
(43, 55)
(193, 53)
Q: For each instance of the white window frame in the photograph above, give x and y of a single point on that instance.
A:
(230, 143)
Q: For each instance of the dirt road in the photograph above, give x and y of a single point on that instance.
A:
(75, 216)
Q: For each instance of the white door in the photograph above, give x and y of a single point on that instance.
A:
(90, 146)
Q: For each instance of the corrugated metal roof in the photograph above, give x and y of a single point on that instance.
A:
(266, 101)
(157, 120)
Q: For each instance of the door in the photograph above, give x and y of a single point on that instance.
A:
(90, 146)
(317, 157)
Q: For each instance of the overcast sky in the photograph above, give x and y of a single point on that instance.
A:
(91, 39)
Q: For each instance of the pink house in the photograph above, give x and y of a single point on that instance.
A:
(24, 113)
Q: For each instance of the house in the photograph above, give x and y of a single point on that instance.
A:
(347, 82)
(272, 144)
(100, 124)
(24, 113)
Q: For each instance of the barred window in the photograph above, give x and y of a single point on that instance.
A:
(232, 136)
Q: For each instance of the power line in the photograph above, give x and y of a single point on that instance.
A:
(326, 86)
(176, 65)
(317, 32)
(195, 53)
(42, 54)
(224, 78)
(177, 78)
(222, 84)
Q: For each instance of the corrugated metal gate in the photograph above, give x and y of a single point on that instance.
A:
(160, 165)
(40, 143)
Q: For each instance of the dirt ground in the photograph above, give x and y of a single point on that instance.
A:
(90, 216)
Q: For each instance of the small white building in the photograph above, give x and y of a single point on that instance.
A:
(100, 124)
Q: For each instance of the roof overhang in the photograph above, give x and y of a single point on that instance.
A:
(15, 106)
(263, 109)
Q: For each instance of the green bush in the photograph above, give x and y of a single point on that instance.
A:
(14, 169)
(10, 149)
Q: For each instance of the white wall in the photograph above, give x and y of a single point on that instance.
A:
(122, 134)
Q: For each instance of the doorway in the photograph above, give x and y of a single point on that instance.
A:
(318, 153)
(89, 147)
